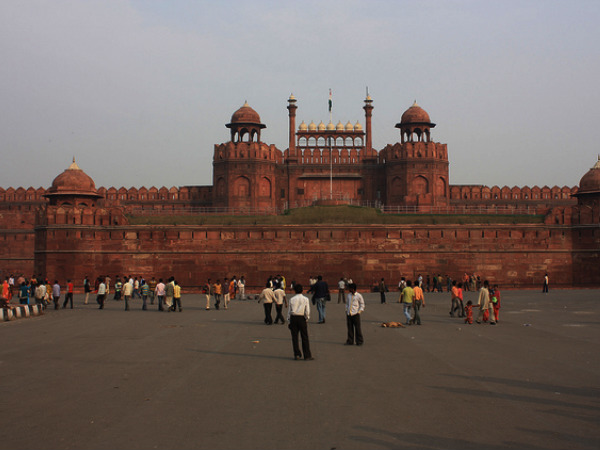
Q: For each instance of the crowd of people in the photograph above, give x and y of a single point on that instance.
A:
(167, 294)
(488, 303)
(439, 283)
(35, 289)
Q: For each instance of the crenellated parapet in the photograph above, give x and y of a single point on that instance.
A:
(414, 150)
(20, 194)
(543, 194)
(245, 151)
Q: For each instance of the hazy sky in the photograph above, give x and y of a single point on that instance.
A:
(140, 91)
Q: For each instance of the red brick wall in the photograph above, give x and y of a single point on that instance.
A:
(512, 256)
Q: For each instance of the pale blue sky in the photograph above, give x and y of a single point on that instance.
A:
(140, 91)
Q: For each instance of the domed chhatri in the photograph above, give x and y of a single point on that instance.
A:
(245, 125)
(245, 115)
(73, 182)
(590, 182)
(415, 114)
(415, 125)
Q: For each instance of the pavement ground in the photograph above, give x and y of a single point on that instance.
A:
(110, 379)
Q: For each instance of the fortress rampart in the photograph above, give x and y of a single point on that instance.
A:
(72, 229)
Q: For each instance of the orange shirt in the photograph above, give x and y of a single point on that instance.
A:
(418, 293)
(217, 288)
(232, 287)
(455, 292)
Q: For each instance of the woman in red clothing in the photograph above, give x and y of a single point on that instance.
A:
(495, 299)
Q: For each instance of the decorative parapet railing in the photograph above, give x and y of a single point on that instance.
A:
(333, 200)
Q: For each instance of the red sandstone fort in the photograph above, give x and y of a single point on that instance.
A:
(73, 229)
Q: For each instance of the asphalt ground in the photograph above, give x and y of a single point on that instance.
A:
(109, 379)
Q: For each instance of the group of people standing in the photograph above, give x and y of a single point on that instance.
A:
(168, 294)
(227, 291)
(299, 313)
(412, 299)
(437, 283)
(488, 303)
(38, 288)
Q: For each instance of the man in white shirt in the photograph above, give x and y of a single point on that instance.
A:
(355, 305)
(280, 302)
(101, 294)
(297, 316)
(160, 294)
(341, 290)
(267, 296)
(127, 294)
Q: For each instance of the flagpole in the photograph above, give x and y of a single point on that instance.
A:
(330, 151)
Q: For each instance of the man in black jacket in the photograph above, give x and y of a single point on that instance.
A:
(320, 292)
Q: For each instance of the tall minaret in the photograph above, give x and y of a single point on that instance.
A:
(292, 137)
(368, 113)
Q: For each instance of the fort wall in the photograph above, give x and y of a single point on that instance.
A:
(511, 255)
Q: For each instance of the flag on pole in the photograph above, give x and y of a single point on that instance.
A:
(330, 101)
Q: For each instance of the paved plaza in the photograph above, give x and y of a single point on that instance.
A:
(110, 379)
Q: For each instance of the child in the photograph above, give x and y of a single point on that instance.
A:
(496, 301)
(469, 312)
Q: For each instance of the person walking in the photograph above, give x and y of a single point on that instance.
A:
(460, 300)
(485, 304)
(69, 295)
(101, 293)
(382, 289)
(495, 299)
(280, 302)
(226, 295)
(454, 306)
(145, 290)
(407, 297)
(118, 288)
(206, 290)
(355, 305)
(87, 288)
(546, 284)
(417, 303)
(152, 285)
(169, 292)
(242, 287)
(176, 296)
(320, 292)
(341, 290)
(40, 293)
(160, 294)
(24, 294)
(297, 317)
(127, 294)
(267, 296)
(56, 293)
(217, 291)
